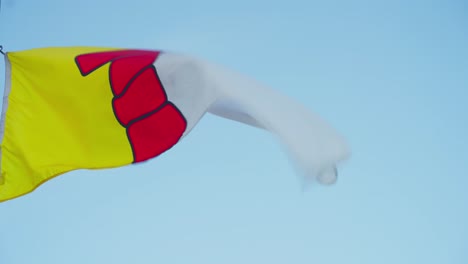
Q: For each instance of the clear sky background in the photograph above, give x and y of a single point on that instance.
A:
(391, 76)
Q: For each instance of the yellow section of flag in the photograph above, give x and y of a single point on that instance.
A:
(55, 120)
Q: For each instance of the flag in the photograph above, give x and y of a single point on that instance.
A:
(68, 108)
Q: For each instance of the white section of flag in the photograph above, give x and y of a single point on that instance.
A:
(197, 86)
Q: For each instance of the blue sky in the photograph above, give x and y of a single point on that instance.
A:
(392, 76)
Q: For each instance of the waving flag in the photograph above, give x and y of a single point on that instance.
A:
(73, 108)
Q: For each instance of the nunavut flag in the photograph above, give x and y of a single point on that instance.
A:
(74, 108)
